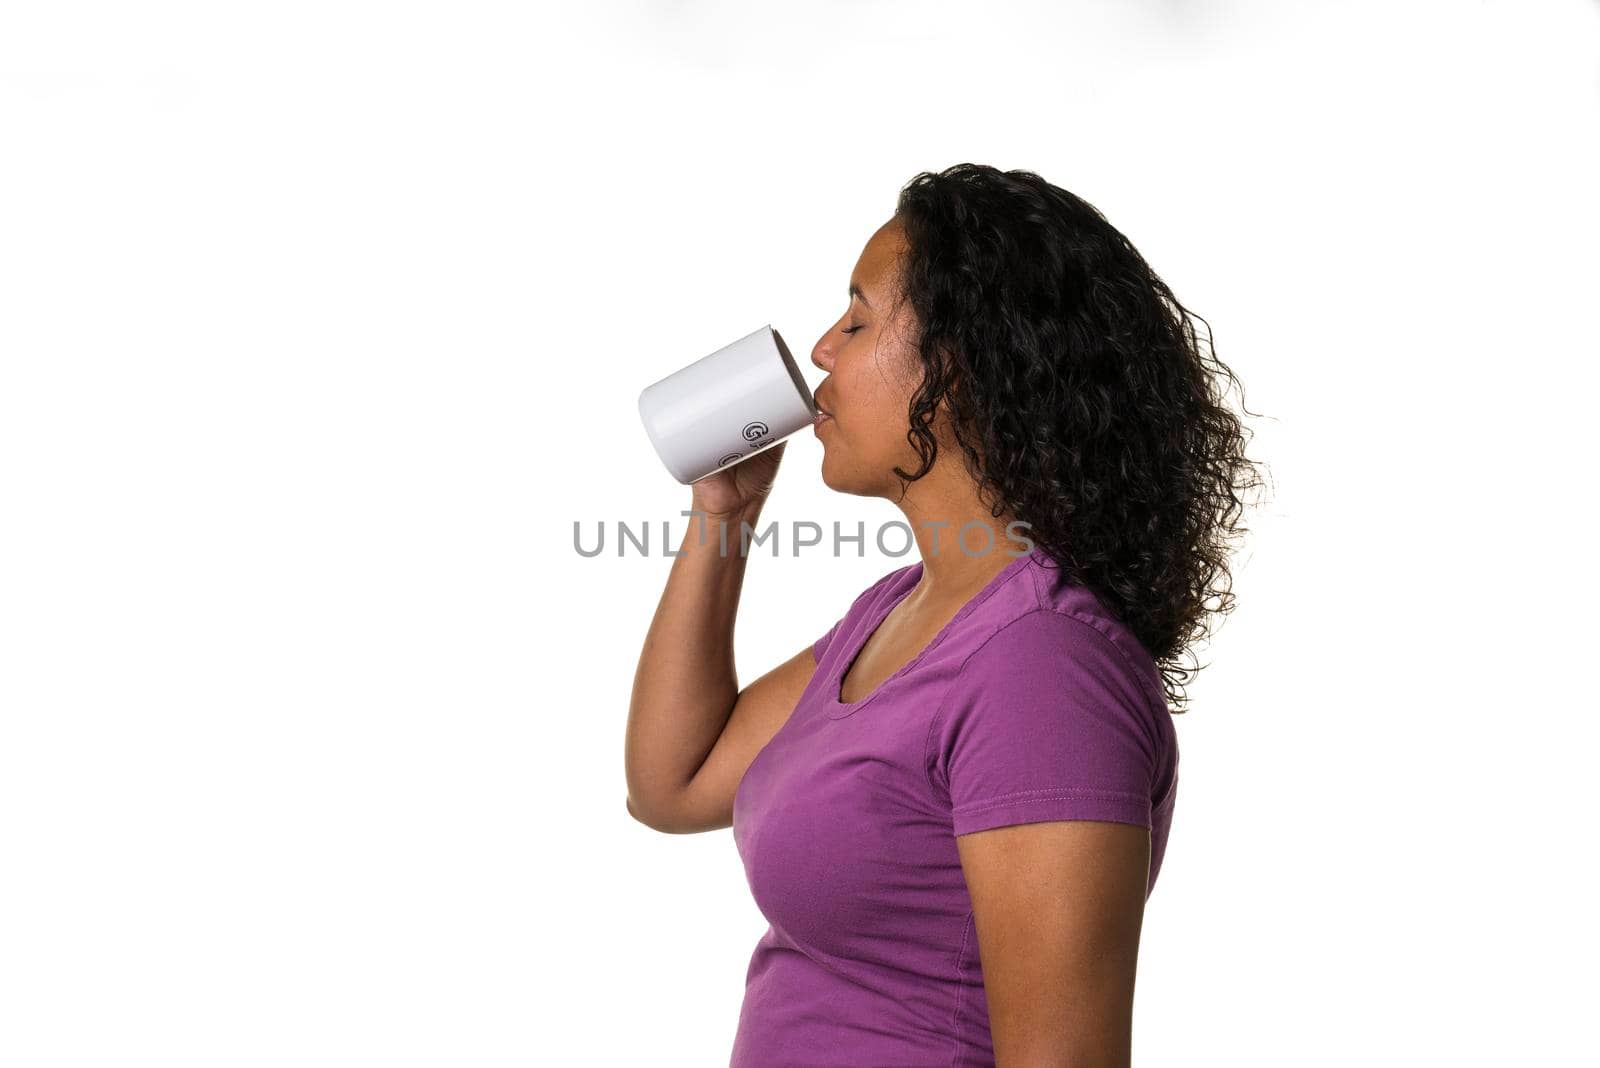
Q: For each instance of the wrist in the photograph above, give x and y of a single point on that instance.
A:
(724, 529)
(747, 512)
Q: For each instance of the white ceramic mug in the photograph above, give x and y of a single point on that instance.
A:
(726, 407)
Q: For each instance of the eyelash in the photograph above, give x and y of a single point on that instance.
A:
(852, 330)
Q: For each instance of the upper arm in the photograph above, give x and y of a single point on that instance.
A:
(1057, 908)
(760, 710)
(1050, 754)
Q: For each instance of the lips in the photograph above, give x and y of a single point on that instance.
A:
(820, 419)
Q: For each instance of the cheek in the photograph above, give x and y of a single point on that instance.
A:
(882, 415)
(871, 436)
(872, 400)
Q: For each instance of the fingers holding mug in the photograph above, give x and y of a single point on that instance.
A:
(740, 487)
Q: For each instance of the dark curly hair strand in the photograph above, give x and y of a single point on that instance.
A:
(1081, 397)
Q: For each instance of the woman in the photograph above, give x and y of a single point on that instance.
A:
(977, 763)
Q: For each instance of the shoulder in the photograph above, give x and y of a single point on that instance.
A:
(1043, 612)
(1049, 638)
(1048, 718)
(1046, 650)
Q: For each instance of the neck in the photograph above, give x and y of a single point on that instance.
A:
(962, 544)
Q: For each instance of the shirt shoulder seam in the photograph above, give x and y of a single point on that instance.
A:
(944, 700)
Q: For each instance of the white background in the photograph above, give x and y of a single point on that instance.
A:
(322, 323)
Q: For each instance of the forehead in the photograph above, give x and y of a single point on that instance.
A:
(875, 269)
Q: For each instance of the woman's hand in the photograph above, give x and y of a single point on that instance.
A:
(741, 489)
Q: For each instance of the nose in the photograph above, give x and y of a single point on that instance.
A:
(822, 352)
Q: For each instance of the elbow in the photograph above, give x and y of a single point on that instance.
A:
(656, 818)
(639, 815)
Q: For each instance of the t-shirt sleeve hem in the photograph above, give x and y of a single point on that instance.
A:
(1039, 806)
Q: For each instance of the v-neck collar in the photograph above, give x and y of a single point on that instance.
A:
(838, 709)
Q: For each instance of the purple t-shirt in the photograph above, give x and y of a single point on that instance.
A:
(1031, 704)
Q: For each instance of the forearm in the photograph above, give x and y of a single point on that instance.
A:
(685, 685)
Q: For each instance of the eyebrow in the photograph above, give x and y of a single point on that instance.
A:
(855, 291)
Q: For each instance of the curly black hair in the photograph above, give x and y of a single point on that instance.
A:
(1081, 396)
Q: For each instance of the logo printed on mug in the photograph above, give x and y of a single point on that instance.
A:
(754, 431)
(730, 458)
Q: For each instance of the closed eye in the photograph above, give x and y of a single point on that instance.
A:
(852, 330)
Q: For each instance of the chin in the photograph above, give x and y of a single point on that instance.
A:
(845, 483)
(832, 474)
(831, 481)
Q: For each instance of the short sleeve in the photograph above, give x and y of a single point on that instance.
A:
(1048, 720)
